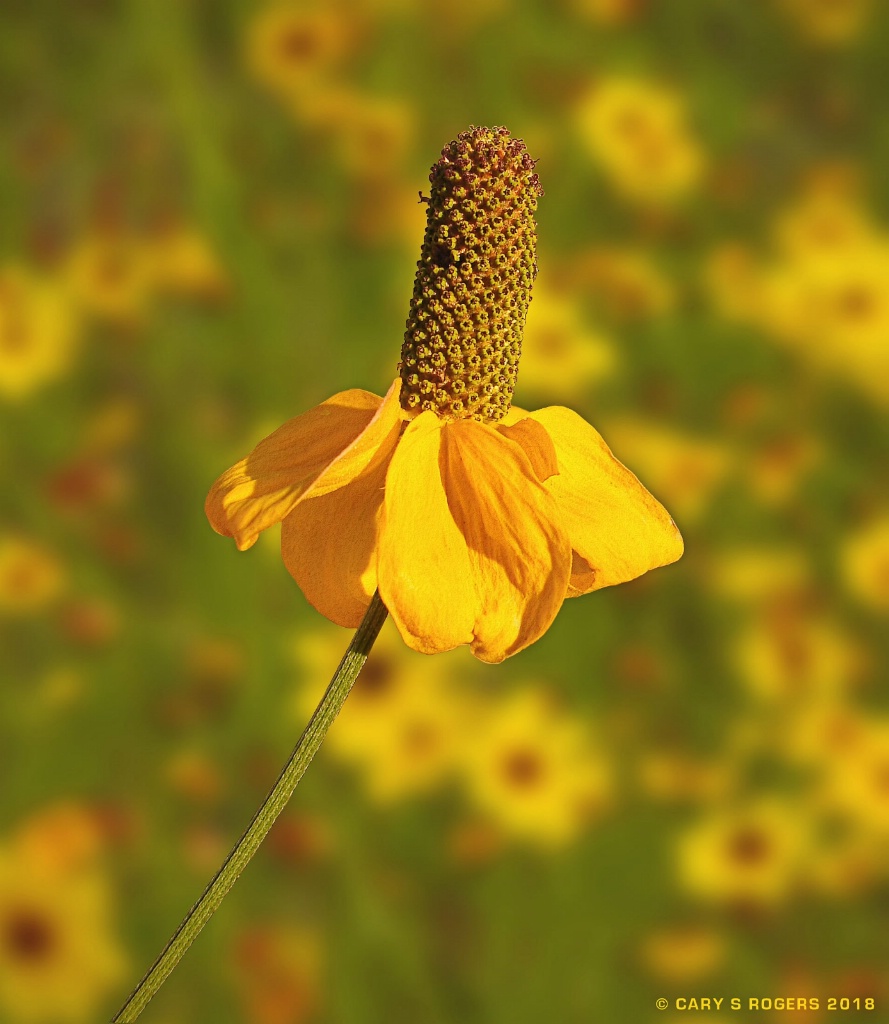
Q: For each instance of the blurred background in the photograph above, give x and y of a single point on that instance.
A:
(209, 222)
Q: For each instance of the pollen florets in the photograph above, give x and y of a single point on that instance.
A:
(463, 339)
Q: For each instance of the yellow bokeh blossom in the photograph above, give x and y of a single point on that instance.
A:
(683, 953)
(292, 48)
(686, 469)
(111, 276)
(829, 22)
(791, 655)
(38, 331)
(759, 575)
(401, 724)
(31, 577)
(822, 224)
(673, 776)
(833, 311)
(858, 783)
(371, 135)
(562, 357)
(749, 855)
(731, 277)
(864, 563)
(626, 283)
(184, 263)
(534, 771)
(59, 955)
(638, 132)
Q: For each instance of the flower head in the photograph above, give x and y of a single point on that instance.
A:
(474, 520)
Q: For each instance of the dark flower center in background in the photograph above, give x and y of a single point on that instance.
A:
(27, 935)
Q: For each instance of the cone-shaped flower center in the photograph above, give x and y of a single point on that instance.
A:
(473, 286)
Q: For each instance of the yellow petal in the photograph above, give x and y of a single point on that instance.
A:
(313, 453)
(513, 415)
(618, 530)
(519, 553)
(328, 543)
(423, 566)
(537, 445)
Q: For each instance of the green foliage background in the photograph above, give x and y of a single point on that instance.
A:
(136, 106)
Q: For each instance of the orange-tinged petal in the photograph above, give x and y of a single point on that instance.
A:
(423, 567)
(313, 453)
(519, 553)
(328, 543)
(618, 530)
(537, 445)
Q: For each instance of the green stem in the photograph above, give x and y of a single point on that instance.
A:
(329, 707)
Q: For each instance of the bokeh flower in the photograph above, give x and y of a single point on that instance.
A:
(864, 563)
(638, 133)
(38, 331)
(291, 48)
(534, 770)
(400, 727)
(110, 276)
(562, 356)
(683, 953)
(31, 576)
(59, 954)
(474, 520)
(829, 22)
(747, 855)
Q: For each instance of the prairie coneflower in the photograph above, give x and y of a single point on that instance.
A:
(468, 520)
(474, 520)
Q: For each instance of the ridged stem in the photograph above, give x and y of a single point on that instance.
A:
(241, 853)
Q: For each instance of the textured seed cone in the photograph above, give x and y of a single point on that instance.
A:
(473, 286)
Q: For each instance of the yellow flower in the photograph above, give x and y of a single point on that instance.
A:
(184, 263)
(759, 575)
(684, 953)
(401, 722)
(31, 577)
(686, 469)
(833, 310)
(626, 282)
(535, 771)
(58, 952)
(858, 782)
(372, 134)
(732, 279)
(673, 776)
(475, 521)
(864, 561)
(38, 328)
(561, 356)
(638, 133)
(111, 276)
(787, 655)
(829, 22)
(825, 222)
(746, 855)
(289, 48)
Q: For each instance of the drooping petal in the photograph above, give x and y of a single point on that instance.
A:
(313, 453)
(423, 567)
(537, 445)
(328, 543)
(519, 552)
(618, 529)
